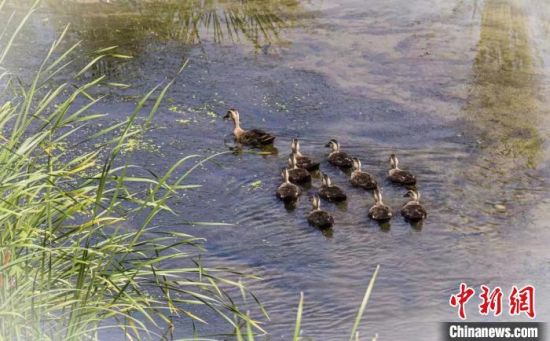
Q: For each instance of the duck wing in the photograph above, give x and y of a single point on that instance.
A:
(380, 213)
(363, 180)
(306, 162)
(403, 177)
(332, 193)
(257, 137)
(299, 176)
(414, 212)
(288, 192)
(320, 219)
(340, 159)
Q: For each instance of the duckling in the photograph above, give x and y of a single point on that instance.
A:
(287, 191)
(361, 179)
(254, 137)
(330, 192)
(379, 211)
(303, 161)
(413, 211)
(297, 175)
(337, 157)
(317, 217)
(398, 175)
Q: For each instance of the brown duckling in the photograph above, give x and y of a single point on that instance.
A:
(303, 161)
(398, 175)
(297, 175)
(379, 211)
(413, 211)
(253, 137)
(317, 217)
(337, 157)
(361, 179)
(330, 192)
(287, 191)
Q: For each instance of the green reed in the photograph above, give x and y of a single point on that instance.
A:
(73, 260)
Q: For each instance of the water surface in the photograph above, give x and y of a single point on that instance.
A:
(458, 89)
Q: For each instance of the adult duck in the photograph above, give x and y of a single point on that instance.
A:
(253, 137)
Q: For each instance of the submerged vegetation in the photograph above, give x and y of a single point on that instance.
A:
(81, 251)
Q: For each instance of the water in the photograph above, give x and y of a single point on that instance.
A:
(458, 89)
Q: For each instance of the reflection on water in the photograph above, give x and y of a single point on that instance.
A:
(132, 24)
(456, 88)
(504, 101)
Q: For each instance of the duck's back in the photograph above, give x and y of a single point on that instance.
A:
(332, 193)
(299, 176)
(307, 163)
(380, 213)
(363, 180)
(320, 219)
(340, 159)
(414, 212)
(402, 177)
(288, 192)
(256, 137)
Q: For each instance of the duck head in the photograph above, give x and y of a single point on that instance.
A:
(285, 175)
(377, 195)
(295, 146)
(232, 114)
(356, 164)
(394, 163)
(413, 194)
(333, 145)
(325, 180)
(292, 162)
(315, 202)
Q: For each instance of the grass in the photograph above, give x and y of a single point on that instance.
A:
(297, 336)
(74, 261)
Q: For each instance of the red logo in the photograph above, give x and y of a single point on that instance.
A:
(520, 300)
(491, 301)
(523, 301)
(461, 299)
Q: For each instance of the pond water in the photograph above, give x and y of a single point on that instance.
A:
(458, 89)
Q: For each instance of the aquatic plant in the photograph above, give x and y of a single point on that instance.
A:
(248, 334)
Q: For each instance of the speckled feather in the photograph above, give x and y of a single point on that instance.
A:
(403, 177)
(332, 193)
(414, 212)
(320, 219)
(340, 159)
(363, 180)
(288, 192)
(380, 213)
(299, 176)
